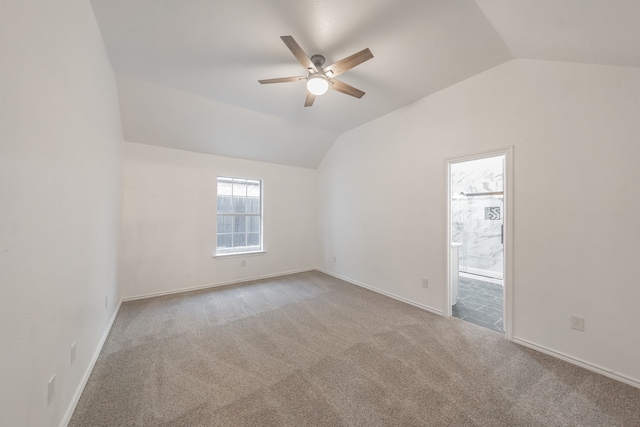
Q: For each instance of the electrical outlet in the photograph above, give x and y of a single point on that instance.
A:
(73, 353)
(577, 323)
(106, 301)
(51, 390)
(243, 263)
(425, 283)
(189, 274)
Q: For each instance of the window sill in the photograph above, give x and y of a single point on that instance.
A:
(237, 254)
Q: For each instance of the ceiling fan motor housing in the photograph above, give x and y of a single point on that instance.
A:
(318, 60)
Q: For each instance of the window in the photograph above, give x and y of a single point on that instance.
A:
(239, 216)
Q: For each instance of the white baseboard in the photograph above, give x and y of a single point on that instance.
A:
(76, 397)
(385, 293)
(578, 362)
(214, 285)
(573, 360)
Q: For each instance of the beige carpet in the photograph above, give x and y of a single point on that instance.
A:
(310, 350)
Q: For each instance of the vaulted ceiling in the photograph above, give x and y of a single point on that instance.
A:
(188, 70)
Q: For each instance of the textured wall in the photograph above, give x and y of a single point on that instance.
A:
(60, 140)
(575, 130)
(169, 219)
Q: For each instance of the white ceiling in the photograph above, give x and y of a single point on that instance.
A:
(187, 70)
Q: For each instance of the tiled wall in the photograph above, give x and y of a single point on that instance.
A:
(477, 218)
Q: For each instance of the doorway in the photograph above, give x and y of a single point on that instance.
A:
(477, 239)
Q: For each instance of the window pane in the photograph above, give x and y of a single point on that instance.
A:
(239, 187)
(253, 205)
(224, 204)
(239, 204)
(224, 240)
(239, 240)
(224, 187)
(253, 188)
(225, 223)
(239, 224)
(254, 239)
(254, 224)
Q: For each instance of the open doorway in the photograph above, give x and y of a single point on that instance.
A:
(477, 239)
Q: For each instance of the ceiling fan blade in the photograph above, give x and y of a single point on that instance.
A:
(282, 80)
(345, 88)
(300, 55)
(308, 102)
(347, 63)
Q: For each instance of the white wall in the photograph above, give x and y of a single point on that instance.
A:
(167, 117)
(575, 132)
(169, 220)
(60, 139)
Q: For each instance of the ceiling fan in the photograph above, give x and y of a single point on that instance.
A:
(320, 79)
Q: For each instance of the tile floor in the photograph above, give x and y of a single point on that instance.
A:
(480, 302)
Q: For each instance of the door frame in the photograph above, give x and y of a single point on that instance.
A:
(508, 221)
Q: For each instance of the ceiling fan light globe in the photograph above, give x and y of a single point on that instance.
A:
(317, 84)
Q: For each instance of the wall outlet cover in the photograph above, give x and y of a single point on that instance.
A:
(577, 323)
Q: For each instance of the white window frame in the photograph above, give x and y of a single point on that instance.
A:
(239, 250)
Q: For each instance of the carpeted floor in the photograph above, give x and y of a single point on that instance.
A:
(311, 350)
